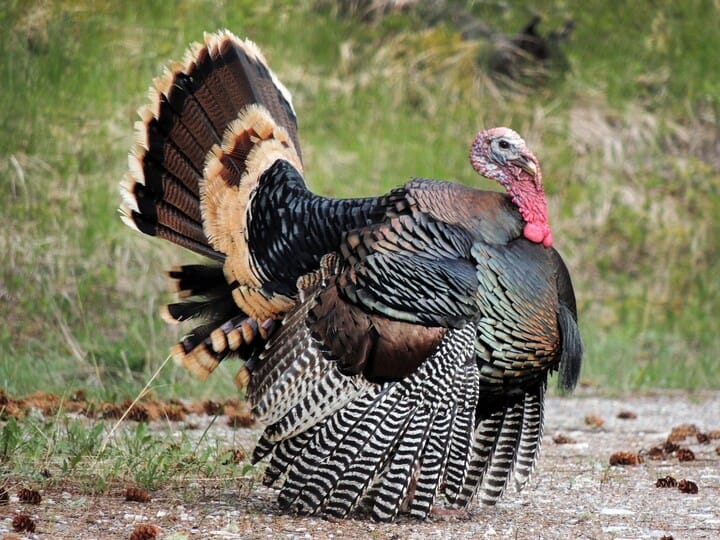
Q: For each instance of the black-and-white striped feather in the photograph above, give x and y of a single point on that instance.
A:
(502, 458)
(506, 446)
(483, 443)
(392, 443)
(531, 437)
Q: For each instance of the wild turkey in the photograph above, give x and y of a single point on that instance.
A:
(398, 347)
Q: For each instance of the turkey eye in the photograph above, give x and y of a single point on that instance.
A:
(504, 144)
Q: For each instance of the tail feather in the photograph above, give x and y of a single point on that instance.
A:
(207, 85)
(531, 437)
(197, 279)
(214, 123)
(214, 149)
(253, 78)
(202, 350)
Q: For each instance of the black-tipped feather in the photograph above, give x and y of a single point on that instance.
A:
(197, 279)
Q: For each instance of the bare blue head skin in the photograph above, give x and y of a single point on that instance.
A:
(502, 155)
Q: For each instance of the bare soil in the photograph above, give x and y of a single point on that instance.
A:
(575, 493)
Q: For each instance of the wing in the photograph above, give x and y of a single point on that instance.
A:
(410, 268)
(343, 443)
(416, 264)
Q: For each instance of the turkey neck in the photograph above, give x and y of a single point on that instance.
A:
(529, 196)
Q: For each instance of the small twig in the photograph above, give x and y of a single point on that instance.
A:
(202, 437)
(142, 393)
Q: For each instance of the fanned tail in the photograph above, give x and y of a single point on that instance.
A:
(215, 123)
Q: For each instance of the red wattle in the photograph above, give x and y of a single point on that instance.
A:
(540, 234)
(548, 240)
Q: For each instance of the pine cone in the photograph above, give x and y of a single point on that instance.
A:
(136, 494)
(235, 455)
(670, 446)
(29, 496)
(4, 496)
(681, 432)
(594, 421)
(687, 486)
(625, 458)
(23, 523)
(145, 532)
(685, 454)
(212, 408)
(139, 413)
(668, 481)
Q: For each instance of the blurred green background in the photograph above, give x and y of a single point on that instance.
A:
(625, 121)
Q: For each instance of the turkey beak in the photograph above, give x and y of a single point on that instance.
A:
(527, 165)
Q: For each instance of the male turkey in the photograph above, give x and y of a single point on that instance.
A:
(397, 348)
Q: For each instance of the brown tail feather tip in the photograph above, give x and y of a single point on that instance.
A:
(219, 340)
(126, 217)
(174, 287)
(200, 362)
(242, 378)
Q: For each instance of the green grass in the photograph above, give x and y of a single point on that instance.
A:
(627, 139)
(92, 458)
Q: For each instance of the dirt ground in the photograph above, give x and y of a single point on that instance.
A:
(575, 493)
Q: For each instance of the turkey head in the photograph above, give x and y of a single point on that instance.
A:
(502, 155)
